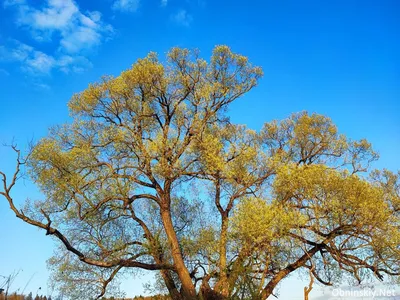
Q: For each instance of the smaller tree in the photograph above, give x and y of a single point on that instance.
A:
(29, 297)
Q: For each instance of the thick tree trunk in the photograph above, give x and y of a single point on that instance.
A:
(170, 284)
(158, 257)
(207, 293)
(222, 285)
(188, 289)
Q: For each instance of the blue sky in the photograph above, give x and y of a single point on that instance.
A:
(339, 58)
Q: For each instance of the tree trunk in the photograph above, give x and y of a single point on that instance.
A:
(170, 284)
(207, 293)
(222, 285)
(188, 289)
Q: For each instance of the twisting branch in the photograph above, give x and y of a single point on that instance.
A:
(60, 236)
(107, 281)
(308, 289)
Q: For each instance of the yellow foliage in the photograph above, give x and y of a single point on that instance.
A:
(116, 177)
(339, 197)
(260, 223)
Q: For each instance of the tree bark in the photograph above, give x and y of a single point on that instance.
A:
(170, 284)
(222, 285)
(308, 289)
(188, 289)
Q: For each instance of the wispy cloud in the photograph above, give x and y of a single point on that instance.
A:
(164, 3)
(42, 86)
(31, 60)
(126, 5)
(4, 72)
(74, 64)
(72, 34)
(39, 63)
(63, 20)
(7, 3)
(182, 18)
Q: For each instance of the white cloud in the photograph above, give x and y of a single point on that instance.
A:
(182, 18)
(31, 60)
(39, 63)
(76, 31)
(73, 34)
(164, 3)
(21, 52)
(12, 2)
(58, 15)
(75, 64)
(126, 5)
(82, 37)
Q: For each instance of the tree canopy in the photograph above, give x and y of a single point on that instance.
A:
(152, 175)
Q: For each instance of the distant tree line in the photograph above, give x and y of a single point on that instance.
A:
(156, 297)
(16, 296)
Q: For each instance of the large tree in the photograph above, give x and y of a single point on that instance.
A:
(152, 175)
